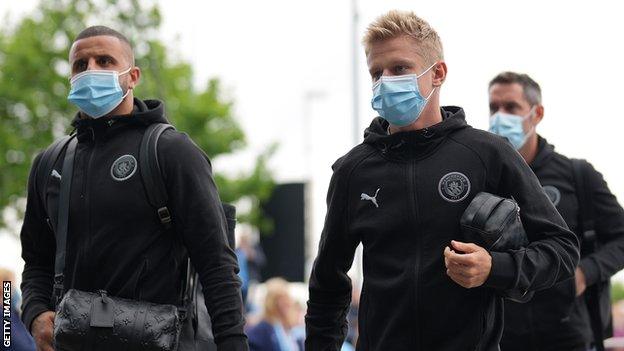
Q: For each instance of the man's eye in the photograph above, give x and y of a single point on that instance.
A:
(104, 61)
(400, 69)
(80, 66)
(376, 76)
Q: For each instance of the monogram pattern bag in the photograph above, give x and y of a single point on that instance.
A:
(114, 323)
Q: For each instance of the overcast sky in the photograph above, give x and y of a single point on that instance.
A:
(288, 67)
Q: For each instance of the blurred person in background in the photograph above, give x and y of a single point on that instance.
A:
(251, 259)
(401, 194)
(559, 318)
(275, 330)
(20, 337)
(256, 259)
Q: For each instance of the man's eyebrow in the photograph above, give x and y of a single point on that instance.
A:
(402, 62)
(106, 56)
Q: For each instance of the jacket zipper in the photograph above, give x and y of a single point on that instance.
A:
(414, 204)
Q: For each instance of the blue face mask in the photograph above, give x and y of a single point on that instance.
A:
(510, 127)
(398, 100)
(97, 92)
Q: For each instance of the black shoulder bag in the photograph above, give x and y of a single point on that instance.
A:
(86, 320)
(493, 223)
(597, 296)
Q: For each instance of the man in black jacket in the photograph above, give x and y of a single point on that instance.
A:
(401, 194)
(556, 318)
(115, 239)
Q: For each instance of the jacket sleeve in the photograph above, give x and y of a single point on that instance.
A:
(198, 216)
(330, 286)
(609, 226)
(552, 253)
(38, 248)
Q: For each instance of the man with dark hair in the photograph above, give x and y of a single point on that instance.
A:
(97, 31)
(558, 318)
(115, 240)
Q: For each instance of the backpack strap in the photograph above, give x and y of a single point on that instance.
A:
(580, 170)
(157, 196)
(44, 170)
(150, 171)
(586, 218)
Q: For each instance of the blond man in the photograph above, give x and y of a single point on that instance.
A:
(401, 194)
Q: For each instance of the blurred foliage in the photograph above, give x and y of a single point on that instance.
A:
(617, 291)
(34, 110)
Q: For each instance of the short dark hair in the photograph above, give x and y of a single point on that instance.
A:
(95, 31)
(530, 89)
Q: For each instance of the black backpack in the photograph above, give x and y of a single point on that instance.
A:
(597, 296)
(157, 196)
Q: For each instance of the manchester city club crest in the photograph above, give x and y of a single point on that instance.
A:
(124, 168)
(553, 194)
(454, 187)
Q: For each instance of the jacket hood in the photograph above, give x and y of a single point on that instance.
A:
(418, 142)
(545, 152)
(145, 112)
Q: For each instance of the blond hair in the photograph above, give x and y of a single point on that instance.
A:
(397, 23)
(276, 289)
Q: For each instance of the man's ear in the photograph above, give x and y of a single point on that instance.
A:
(439, 74)
(538, 115)
(135, 76)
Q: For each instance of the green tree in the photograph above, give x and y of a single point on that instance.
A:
(34, 84)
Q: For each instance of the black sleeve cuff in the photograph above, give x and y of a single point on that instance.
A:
(32, 312)
(234, 343)
(590, 270)
(503, 271)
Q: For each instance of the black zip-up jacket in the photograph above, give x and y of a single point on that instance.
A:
(555, 319)
(115, 239)
(421, 183)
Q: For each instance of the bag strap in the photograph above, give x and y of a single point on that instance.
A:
(63, 220)
(150, 171)
(590, 240)
(585, 203)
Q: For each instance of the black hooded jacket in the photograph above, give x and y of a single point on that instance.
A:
(421, 182)
(115, 239)
(555, 319)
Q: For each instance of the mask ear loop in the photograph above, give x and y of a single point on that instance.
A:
(128, 89)
(532, 131)
(420, 75)
(427, 70)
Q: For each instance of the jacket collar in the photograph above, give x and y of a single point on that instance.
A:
(418, 143)
(145, 112)
(545, 152)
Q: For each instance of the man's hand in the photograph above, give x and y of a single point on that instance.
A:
(469, 269)
(581, 283)
(42, 331)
